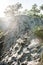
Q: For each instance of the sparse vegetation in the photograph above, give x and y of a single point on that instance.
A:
(38, 31)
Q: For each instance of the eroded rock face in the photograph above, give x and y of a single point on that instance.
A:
(23, 52)
(17, 27)
(21, 46)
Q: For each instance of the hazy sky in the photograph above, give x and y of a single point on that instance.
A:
(27, 4)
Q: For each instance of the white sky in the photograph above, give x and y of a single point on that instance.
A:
(27, 4)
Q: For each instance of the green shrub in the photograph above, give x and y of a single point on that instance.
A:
(38, 31)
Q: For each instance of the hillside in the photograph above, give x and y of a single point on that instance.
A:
(20, 45)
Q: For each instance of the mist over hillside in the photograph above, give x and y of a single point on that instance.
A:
(19, 26)
(20, 20)
(19, 40)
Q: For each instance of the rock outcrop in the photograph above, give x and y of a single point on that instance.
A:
(21, 46)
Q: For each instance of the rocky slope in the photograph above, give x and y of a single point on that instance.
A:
(19, 26)
(20, 45)
(24, 51)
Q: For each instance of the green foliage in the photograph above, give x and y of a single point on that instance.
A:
(41, 7)
(12, 10)
(41, 15)
(35, 10)
(38, 31)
